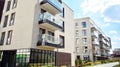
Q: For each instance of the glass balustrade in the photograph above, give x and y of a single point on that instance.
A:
(51, 18)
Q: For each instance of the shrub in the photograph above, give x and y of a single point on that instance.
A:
(89, 63)
(78, 62)
(97, 62)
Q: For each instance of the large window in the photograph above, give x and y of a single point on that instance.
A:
(14, 4)
(2, 38)
(12, 19)
(9, 37)
(84, 32)
(85, 49)
(41, 58)
(62, 41)
(8, 5)
(84, 25)
(5, 21)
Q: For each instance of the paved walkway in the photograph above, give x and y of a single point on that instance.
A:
(107, 65)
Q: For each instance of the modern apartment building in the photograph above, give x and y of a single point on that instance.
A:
(90, 42)
(116, 52)
(36, 33)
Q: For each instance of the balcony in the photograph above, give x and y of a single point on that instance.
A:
(103, 40)
(52, 6)
(51, 22)
(94, 35)
(93, 28)
(46, 40)
(95, 42)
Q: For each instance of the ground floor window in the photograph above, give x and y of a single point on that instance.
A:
(86, 57)
(34, 57)
(29, 57)
(1, 54)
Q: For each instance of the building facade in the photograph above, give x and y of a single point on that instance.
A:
(90, 42)
(36, 33)
(116, 53)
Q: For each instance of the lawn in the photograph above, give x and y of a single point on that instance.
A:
(116, 66)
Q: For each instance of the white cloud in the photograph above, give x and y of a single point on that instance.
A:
(99, 6)
(113, 32)
(106, 24)
(92, 6)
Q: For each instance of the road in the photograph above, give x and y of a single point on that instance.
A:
(107, 65)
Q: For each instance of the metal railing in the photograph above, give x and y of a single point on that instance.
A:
(48, 38)
(56, 3)
(51, 18)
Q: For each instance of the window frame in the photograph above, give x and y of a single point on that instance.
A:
(5, 21)
(8, 5)
(14, 2)
(12, 18)
(2, 38)
(84, 24)
(9, 35)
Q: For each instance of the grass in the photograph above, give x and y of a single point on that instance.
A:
(116, 66)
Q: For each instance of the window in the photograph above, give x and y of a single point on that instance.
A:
(12, 19)
(50, 36)
(84, 32)
(77, 41)
(5, 21)
(85, 49)
(77, 33)
(86, 57)
(84, 40)
(63, 13)
(2, 38)
(50, 33)
(8, 5)
(1, 54)
(9, 37)
(76, 24)
(14, 4)
(77, 50)
(62, 41)
(41, 31)
(63, 24)
(84, 25)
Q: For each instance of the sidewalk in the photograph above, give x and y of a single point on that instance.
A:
(107, 65)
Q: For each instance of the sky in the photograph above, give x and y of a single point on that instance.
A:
(105, 13)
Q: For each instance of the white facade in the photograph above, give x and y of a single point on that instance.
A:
(87, 39)
(25, 30)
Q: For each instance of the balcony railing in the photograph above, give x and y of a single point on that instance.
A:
(50, 19)
(48, 40)
(94, 34)
(102, 39)
(96, 42)
(55, 5)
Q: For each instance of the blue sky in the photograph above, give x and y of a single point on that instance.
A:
(105, 13)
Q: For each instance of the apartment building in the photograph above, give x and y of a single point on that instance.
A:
(116, 53)
(36, 33)
(90, 42)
